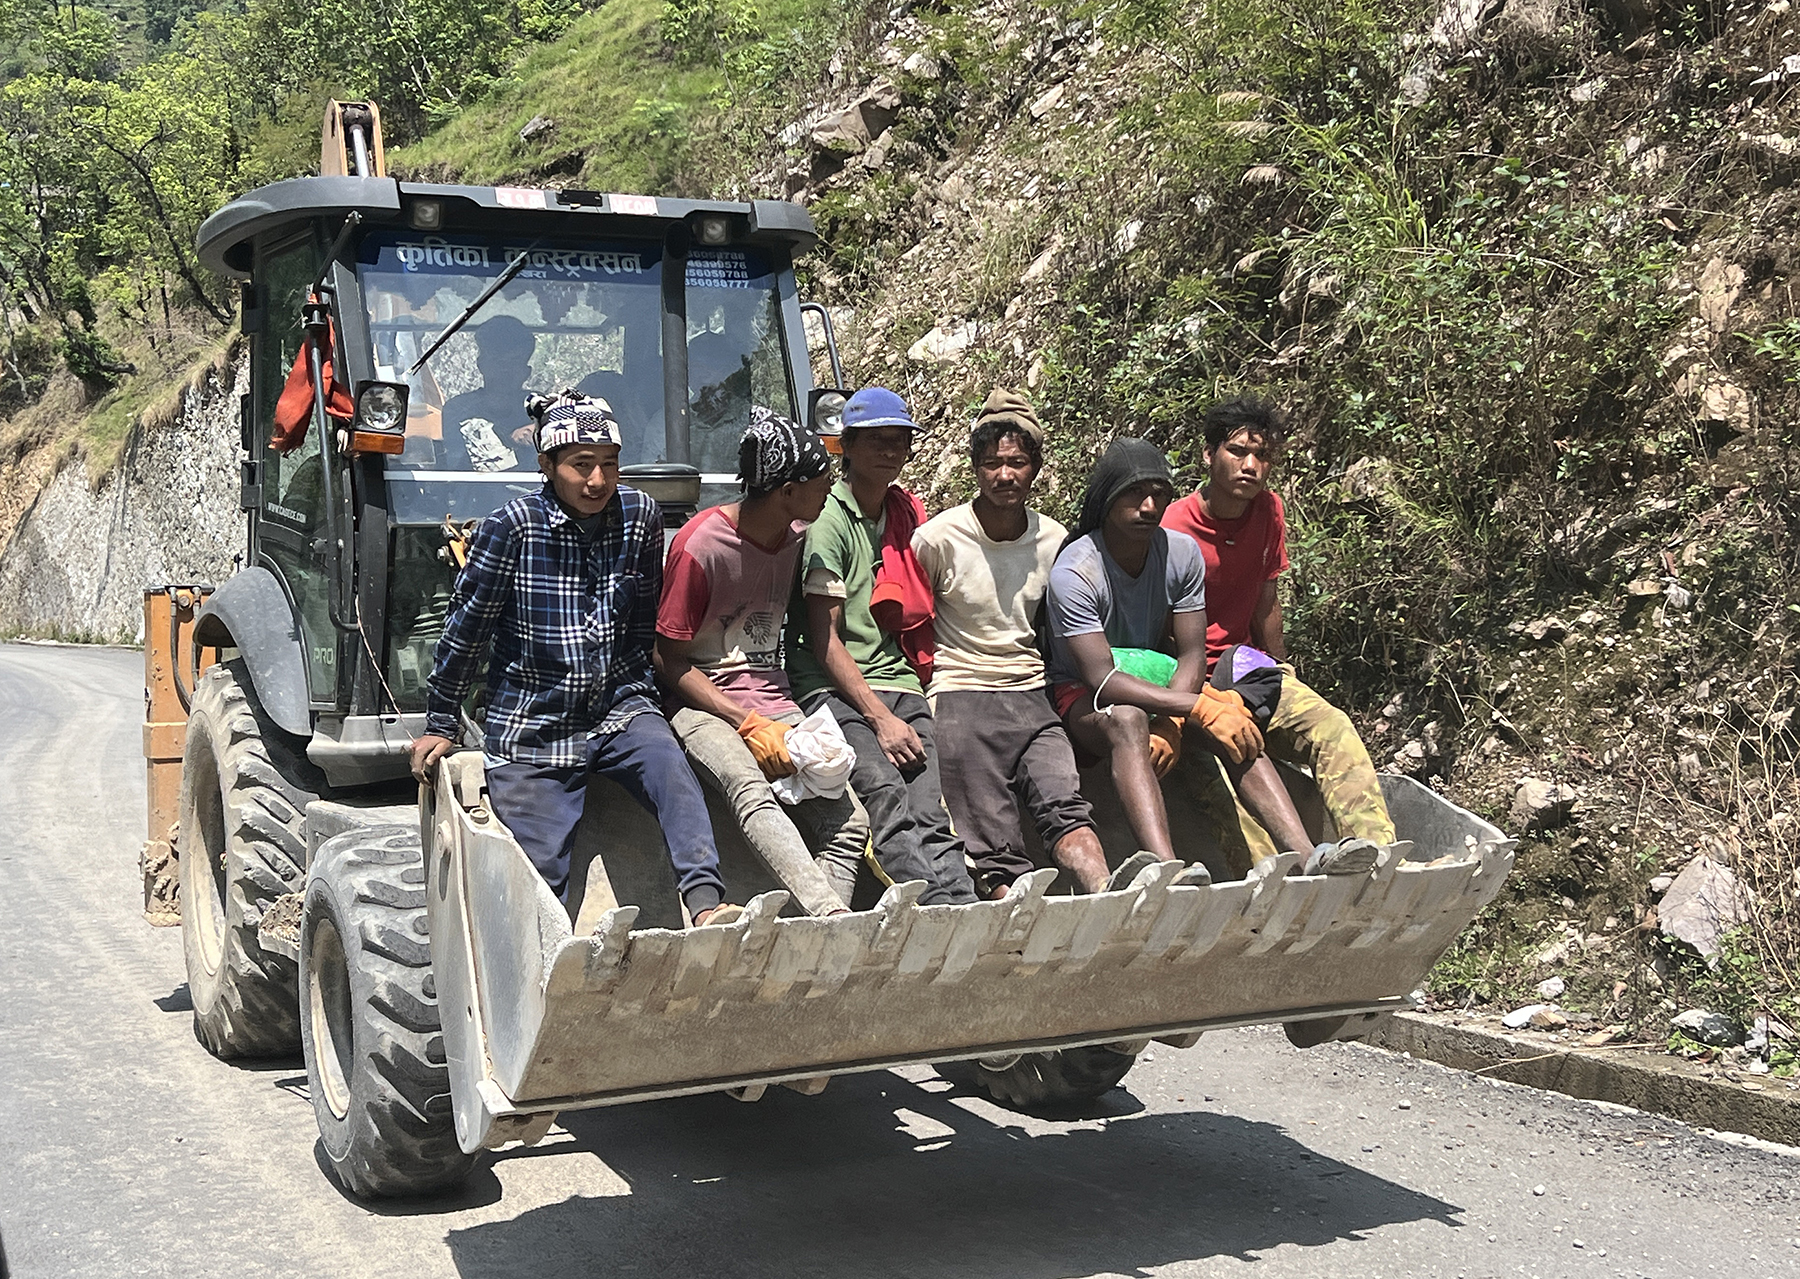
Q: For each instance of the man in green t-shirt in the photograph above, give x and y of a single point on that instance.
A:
(838, 656)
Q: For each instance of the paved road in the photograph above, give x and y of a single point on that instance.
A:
(126, 1150)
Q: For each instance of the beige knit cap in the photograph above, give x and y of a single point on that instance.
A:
(1013, 409)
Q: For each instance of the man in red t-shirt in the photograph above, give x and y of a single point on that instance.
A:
(718, 651)
(1243, 538)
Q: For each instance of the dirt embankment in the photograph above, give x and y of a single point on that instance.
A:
(1524, 274)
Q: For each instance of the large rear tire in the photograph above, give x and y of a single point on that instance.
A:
(1034, 1081)
(245, 785)
(374, 1045)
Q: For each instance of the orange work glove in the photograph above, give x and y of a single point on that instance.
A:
(767, 741)
(1225, 717)
(1165, 743)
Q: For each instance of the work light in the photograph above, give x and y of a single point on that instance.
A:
(380, 418)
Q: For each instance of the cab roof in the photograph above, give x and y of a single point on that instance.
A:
(227, 239)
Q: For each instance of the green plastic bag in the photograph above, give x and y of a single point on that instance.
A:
(1146, 664)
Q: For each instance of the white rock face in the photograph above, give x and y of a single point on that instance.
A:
(945, 344)
(78, 562)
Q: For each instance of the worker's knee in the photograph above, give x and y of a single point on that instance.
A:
(1127, 726)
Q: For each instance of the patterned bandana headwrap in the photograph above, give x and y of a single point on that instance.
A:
(775, 451)
(572, 418)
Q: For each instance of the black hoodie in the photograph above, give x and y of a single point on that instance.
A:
(1127, 461)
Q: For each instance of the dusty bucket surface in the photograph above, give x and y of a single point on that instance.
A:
(538, 1019)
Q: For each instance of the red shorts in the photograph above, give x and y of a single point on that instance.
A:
(1064, 696)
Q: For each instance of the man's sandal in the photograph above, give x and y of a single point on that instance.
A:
(1346, 857)
(1129, 870)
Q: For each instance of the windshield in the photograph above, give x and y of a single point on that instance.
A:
(585, 315)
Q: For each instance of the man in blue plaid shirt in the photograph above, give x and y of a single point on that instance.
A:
(565, 583)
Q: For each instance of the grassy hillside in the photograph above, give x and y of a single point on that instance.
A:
(639, 95)
(1526, 291)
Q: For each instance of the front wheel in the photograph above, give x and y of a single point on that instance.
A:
(369, 1019)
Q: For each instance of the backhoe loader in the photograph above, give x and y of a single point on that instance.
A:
(446, 1002)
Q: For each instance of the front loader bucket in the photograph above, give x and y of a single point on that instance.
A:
(539, 1020)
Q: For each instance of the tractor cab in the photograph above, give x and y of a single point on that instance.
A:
(441, 309)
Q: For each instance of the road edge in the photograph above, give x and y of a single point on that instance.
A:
(1659, 1086)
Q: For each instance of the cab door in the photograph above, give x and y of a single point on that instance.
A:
(287, 532)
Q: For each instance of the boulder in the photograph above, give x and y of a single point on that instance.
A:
(851, 130)
(1041, 264)
(945, 344)
(1710, 1028)
(1541, 805)
(1410, 759)
(1727, 402)
(1705, 902)
(922, 66)
(1519, 1018)
(1045, 102)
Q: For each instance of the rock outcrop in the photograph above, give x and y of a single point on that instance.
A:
(78, 560)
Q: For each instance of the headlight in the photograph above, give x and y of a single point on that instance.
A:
(828, 413)
(715, 230)
(381, 406)
(426, 215)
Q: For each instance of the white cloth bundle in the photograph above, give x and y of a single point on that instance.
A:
(822, 760)
(486, 452)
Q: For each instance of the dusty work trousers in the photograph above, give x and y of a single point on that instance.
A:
(1003, 750)
(913, 838)
(542, 805)
(1307, 730)
(837, 828)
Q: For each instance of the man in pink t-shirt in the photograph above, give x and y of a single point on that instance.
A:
(726, 586)
(1242, 532)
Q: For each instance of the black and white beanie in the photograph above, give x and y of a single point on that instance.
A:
(572, 418)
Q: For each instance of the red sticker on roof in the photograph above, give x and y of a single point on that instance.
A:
(639, 204)
(520, 197)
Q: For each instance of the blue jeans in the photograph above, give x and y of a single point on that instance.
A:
(542, 806)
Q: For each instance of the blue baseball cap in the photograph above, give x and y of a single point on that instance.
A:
(877, 406)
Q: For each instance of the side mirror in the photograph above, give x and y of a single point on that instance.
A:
(825, 326)
(825, 415)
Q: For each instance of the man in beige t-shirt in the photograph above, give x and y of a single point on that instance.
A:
(1002, 746)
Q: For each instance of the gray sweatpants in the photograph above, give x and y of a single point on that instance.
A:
(838, 828)
(1004, 750)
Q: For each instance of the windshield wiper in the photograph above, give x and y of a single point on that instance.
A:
(500, 281)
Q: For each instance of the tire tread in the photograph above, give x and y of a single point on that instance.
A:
(249, 1008)
(399, 1135)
